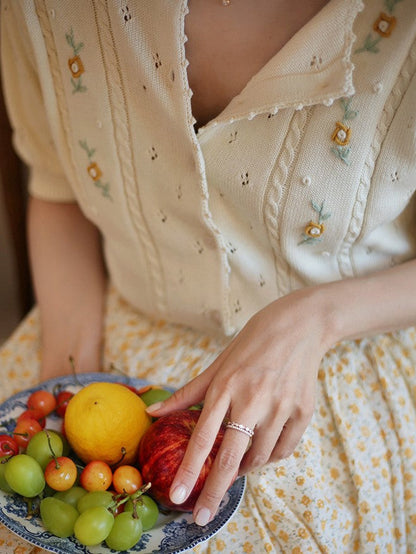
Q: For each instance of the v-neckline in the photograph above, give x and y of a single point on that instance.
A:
(322, 86)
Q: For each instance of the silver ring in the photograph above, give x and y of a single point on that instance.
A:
(239, 427)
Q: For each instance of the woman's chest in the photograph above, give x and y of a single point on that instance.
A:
(227, 46)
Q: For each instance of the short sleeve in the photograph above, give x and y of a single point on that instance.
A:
(32, 137)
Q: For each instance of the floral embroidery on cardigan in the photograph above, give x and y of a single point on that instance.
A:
(383, 26)
(342, 132)
(94, 170)
(313, 230)
(75, 64)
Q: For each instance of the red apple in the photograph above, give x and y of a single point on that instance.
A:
(161, 452)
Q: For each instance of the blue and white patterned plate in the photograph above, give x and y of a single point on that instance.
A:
(173, 533)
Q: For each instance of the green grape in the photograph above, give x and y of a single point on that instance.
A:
(71, 496)
(146, 509)
(38, 447)
(155, 395)
(4, 485)
(93, 526)
(58, 517)
(24, 475)
(126, 532)
(94, 498)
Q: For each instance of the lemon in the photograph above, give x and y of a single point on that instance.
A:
(104, 420)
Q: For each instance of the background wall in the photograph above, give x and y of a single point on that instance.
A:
(9, 304)
(16, 296)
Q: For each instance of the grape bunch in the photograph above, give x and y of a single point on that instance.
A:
(94, 502)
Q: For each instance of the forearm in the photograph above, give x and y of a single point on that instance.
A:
(69, 282)
(381, 302)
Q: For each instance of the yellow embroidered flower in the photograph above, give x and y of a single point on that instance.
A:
(76, 66)
(94, 171)
(314, 230)
(341, 134)
(384, 24)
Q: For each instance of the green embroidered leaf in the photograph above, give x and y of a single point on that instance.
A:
(342, 152)
(350, 114)
(370, 45)
(71, 41)
(90, 151)
(105, 189)
(309, 240)
(325, 217)
(316, 207)
(77, 85)
(78, 47)
(70, 38)
(391, 4)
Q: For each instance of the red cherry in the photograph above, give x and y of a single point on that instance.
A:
(62, 400)
(33, 414)
(42, 400)
(8, 446)
(96, 476)
(61, 473)
(127, 479)
(24, 431)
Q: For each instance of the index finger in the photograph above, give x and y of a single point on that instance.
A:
(199, 447)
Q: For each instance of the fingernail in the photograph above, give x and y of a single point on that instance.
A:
(154, 407)
(202, 517)
(179, 494)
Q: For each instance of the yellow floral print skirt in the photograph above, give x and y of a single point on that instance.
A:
(350, 486)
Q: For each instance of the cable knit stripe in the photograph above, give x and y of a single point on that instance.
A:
(123, 142)
(276, 194)
(393, 101)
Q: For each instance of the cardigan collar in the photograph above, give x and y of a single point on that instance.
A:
(314, 67)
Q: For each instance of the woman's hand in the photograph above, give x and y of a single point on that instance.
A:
(265, 380)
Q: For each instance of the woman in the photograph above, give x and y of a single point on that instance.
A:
(261, 201)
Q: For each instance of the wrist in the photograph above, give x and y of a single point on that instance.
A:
(73, 336)
(322, 310)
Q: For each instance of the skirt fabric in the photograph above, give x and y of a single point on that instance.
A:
(350, 486)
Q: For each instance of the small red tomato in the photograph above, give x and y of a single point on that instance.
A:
(62, 400)
(24, 431)
(33, 414)
(42, 400)
(127, 479)
(96, 476)
(8, 446)
(61, 473)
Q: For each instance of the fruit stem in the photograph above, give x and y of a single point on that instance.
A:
(117, 370)
(57, 466)
(136, 498)
(120, 371)
(123, 454)
(118, 500)
(74, 374)
(57, 389)
(32, 506)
